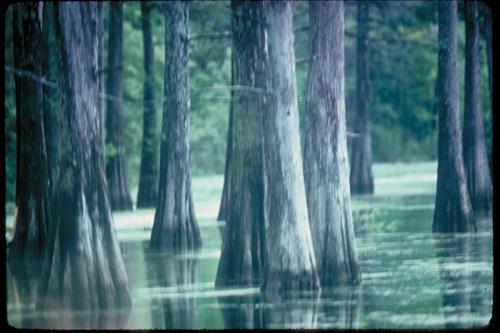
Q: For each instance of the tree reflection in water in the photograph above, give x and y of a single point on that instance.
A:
(25, 280)
(463, 269)
(176, 276)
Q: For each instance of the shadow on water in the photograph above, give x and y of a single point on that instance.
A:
(466, 282)
(175, 279)
(25, 282)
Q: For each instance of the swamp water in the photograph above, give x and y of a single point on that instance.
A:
(411, 278)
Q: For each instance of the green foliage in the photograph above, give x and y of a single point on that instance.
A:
(403, 70)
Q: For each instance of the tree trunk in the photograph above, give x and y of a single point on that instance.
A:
(49, 116)
(487, 31)
(289, 261)
(175, 225)
(361, 178)
(32, 187)
(100, 65)
(221, 216)
(474, 146)
(116, 167)
(452, 212)
(83, 265)
(326, 169)
(242, 243)
(148, 176)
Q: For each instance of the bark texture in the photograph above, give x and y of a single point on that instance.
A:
(83, 265)
(32, 186)
(148, 174)
(243, 240)
(474, 147)
(289, 261)
(116, 167)
(175, 226)
(221, 216)
(326, 169)
(49, 115)
(452, 211)
(361, 177)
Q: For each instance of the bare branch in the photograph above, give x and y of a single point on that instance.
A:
(29, 75)
(211, 35)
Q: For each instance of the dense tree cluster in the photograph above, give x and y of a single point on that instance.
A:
(286, 200)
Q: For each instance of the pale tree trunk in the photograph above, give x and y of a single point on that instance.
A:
(474, 147)
(175, 226)
(148, 175)
(83, 265)
(326, 169)
(289, 262)
(452, 211)
(361, 177)
(221, 216)
(116, 168)
(32, 186)
(242, 243)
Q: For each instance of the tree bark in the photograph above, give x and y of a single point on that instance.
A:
(243, 240)
(221, 216)
(361, 177)
(452, 212)
(487, 32)
(116, 167)
(83, 265)
(100, 65)
(148, 176)
(32, 187)
(326, 169)
(49, 116)
(289, 261)
(175, 226)
(474, 146)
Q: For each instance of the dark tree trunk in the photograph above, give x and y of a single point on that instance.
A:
(452, 212)
(175, 225)
(148, 176)
(100, 65)
(474, 147)
(242, 243)
(83, 265)
(361, 178)
(221, 216)
(32, 187)
(49, 115)
(487, 32)
(289, 261)
(116, 167)
(326, 169)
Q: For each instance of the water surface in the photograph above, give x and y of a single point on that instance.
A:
(411, 277)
